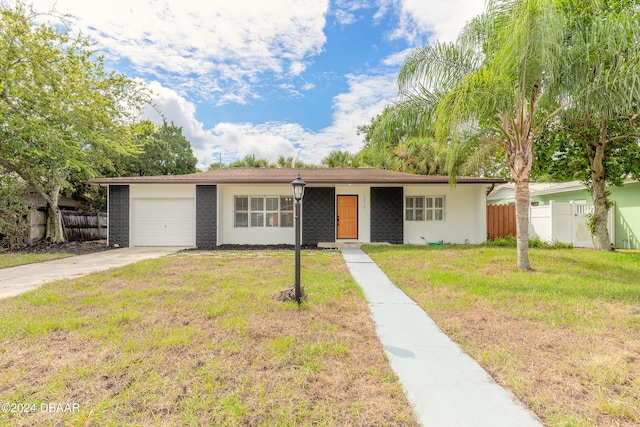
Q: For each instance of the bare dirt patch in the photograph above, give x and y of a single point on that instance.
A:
(76, 248)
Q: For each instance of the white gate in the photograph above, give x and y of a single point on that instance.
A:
(581, 235)
(566, 222)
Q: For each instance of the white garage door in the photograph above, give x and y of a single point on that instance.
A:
(164, 222)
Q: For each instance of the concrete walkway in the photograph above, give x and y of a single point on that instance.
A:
(23, 278)
(445, 385)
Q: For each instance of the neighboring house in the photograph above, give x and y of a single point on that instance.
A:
(255, 206)
(624, 223)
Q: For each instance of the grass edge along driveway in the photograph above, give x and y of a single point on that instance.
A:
(565, 338)
(198, 339)
(12, 259)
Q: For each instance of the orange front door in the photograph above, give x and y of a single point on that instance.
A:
(347, 217)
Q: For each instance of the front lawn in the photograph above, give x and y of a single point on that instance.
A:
(564, 337)
(198, 339)
(12, 259)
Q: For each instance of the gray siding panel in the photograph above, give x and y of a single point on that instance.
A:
(119, 215)
(319, 215)
(206, 216)
(386, 215)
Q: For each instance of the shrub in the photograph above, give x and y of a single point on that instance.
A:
(14, 227)
(535, 242)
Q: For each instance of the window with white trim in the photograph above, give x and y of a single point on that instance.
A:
(286, 211)
(241, 210)
(263, 211)
(414, 208)
(434, 208)
(424, 208)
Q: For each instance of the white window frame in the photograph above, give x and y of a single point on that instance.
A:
(237, 212)
(434, 211)
(425, 208)
(257, 215)
(284, 213)
(412, 210)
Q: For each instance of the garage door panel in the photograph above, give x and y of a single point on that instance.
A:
(164, 222)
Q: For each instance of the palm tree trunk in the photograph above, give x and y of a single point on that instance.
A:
(522, 223)
(520, 158)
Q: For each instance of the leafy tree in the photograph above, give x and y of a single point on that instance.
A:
(163, 151)
(61, 112)
(596, 137)
(496, 79)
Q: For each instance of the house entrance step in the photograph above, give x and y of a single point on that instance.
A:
(351, 245)
(339, 245)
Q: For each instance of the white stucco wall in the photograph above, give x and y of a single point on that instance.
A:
(465, 215)
(230, 235)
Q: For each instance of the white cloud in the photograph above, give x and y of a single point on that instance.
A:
(438, 19)
(220, 49)
(215, 41)
(297, 68)
(344, 18)
(366, 97)
(396, 59)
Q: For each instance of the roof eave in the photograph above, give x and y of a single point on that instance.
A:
(118, 181)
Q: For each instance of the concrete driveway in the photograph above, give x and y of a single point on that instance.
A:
(23, 278)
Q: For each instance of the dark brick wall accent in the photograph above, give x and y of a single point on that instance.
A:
(386, 215)
(319, 215)
(206, 216)
(119, 215)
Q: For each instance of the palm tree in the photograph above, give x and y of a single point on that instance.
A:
(497, 78)
(250, 161)
(285, 162)
(339, 159)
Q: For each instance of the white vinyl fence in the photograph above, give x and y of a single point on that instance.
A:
(565, 222)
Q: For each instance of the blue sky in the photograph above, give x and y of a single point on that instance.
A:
(265, 77)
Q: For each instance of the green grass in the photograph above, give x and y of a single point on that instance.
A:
(13, 259)
(565, 337)
(199, 339)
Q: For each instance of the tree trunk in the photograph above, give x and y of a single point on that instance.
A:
(55, 233)
(522, 222)
(598, 193)
(520, 156)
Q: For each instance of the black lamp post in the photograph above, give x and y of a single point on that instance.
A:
(298, 193)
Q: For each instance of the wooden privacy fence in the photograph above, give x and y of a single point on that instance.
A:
(84, 225)
(501, 221)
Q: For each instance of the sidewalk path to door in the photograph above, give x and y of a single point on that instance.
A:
(444, 384)
(23, 278)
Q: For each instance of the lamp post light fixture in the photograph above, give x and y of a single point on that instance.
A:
(298, 193)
